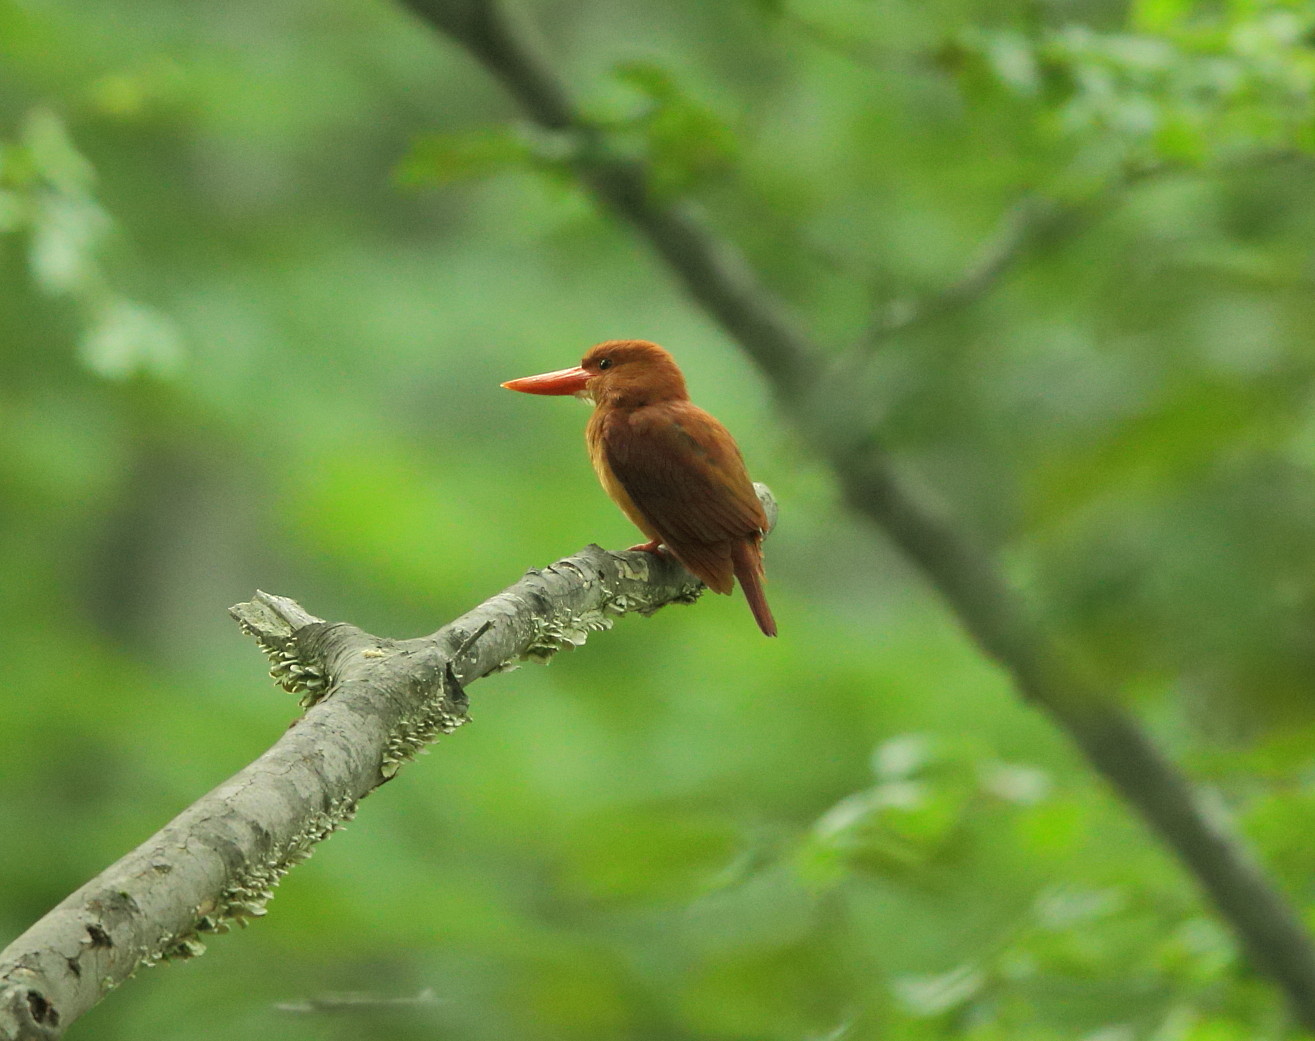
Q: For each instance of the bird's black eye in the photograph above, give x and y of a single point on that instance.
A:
(604, 363)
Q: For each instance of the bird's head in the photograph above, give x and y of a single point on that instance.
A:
(618, 373)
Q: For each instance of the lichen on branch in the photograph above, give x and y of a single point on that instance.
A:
(371, 705)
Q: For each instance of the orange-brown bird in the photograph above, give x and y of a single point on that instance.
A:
(673, 469)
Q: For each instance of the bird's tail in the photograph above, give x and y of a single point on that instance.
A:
(747, 558)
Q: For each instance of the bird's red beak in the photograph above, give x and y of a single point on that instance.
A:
(563, 381)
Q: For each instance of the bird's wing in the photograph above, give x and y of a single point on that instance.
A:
(684, 473)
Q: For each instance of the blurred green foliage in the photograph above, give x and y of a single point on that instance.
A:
(264, 266)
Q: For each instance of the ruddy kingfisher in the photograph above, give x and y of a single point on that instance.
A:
(673, 469)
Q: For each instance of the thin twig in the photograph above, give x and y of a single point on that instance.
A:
(1028, 221)
(357, 1002)
(1033, 222)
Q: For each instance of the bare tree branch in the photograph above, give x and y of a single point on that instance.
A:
(1024, 224)
(999, 617)
(1029, 226)
(1032, 223)
(218, 861)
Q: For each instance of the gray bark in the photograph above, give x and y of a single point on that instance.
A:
(372, 704)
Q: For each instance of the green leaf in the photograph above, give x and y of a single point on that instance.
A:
(685, 141)
(438, 159)
(932, 995)
(127, 337)
(1012, 57)
(1159, 15)
(66, 230)
(53, 154)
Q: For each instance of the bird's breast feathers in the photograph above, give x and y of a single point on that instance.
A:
(680, 470)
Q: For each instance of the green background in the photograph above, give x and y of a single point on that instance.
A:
(262, 269)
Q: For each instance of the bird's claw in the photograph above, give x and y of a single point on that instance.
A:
(653, 546)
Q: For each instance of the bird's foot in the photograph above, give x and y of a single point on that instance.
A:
(653, 546)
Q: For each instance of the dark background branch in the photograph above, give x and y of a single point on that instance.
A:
(1000, 618)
